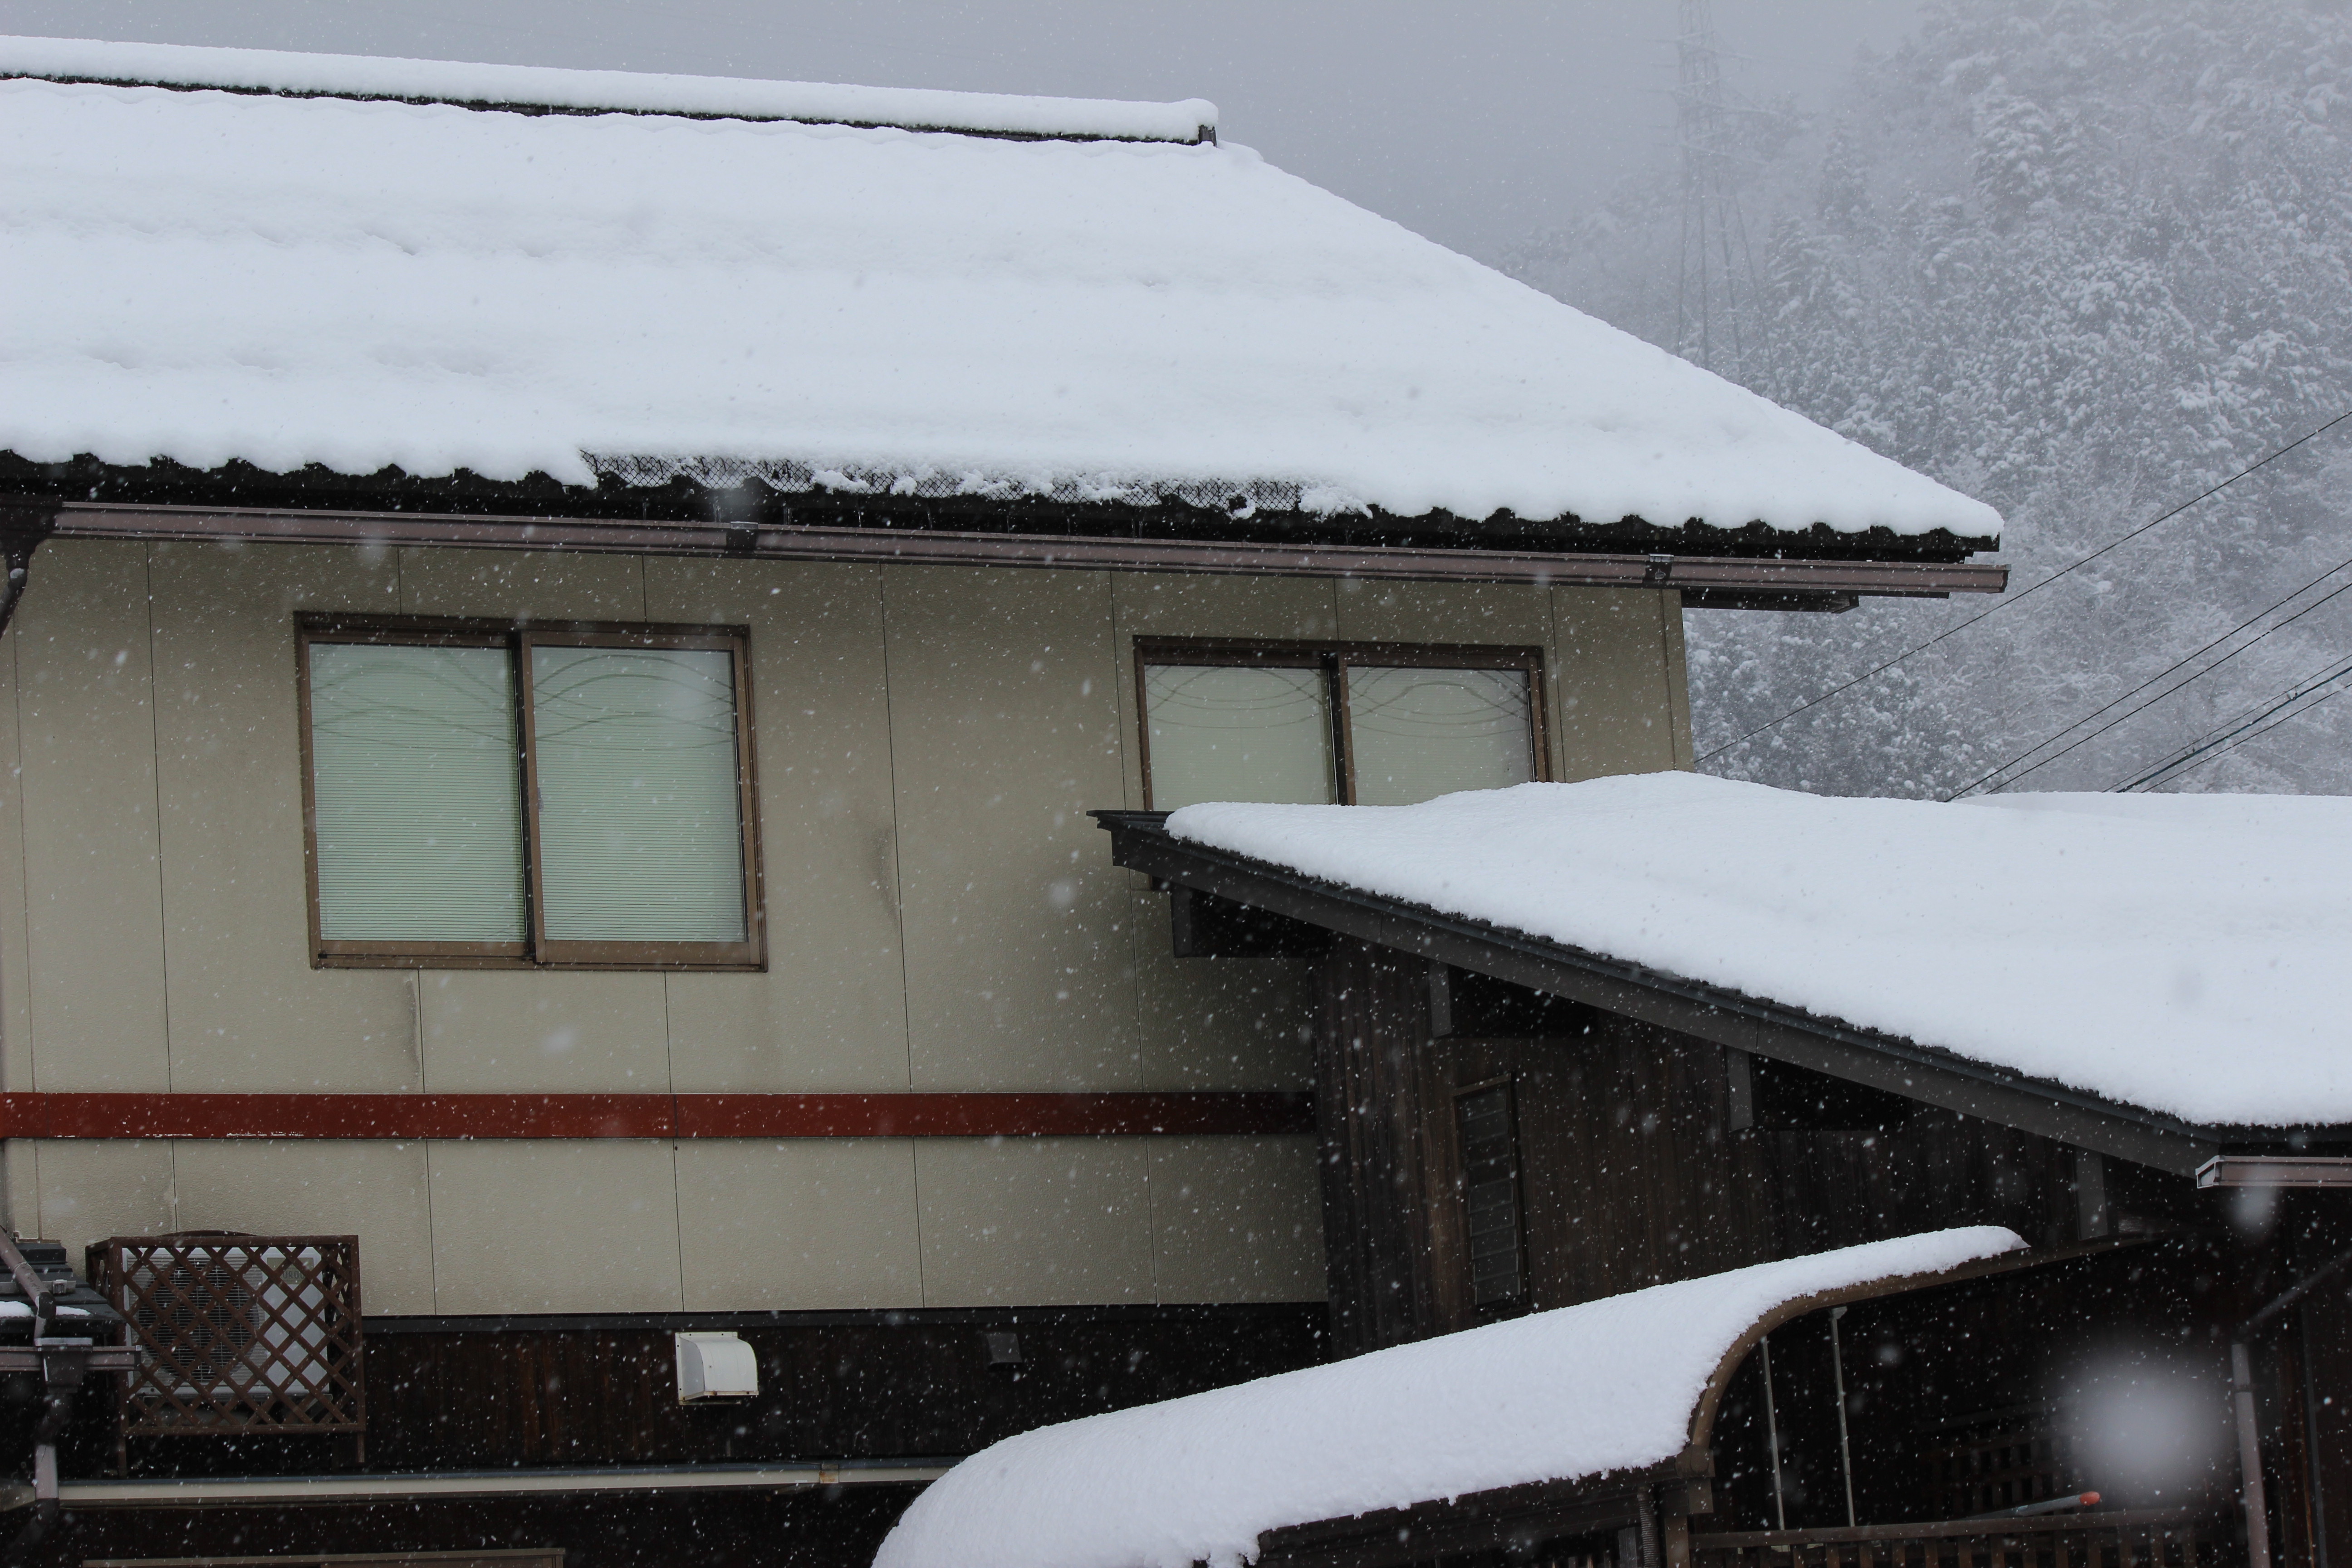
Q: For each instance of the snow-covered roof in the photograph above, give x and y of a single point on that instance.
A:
(353, 281)
(608, 91)
(1580, 1392)
(2185, 955)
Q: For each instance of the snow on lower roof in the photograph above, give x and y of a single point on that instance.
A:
(207, 276)
(590, 92)
(2181, 954)
(1576, 1393)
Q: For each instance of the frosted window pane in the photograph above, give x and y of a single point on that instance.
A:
(1419, 733)
(1238, 733)
(639, 825)
(418, 792)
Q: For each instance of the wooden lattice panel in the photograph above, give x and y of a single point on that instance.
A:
(237, 1334)
(1984, 1471)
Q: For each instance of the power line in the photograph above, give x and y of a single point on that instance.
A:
(2234, 732)
(2023, 594)
(2177, 665)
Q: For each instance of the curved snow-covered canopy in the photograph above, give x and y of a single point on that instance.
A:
(2184, 955)
(353, 282)
(1580, 1392)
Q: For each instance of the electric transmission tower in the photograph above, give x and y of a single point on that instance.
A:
(1718, 317)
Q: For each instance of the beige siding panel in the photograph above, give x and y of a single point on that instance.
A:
(248, 1013)
(1236, 1219)
(1284, 609)
(94, 1188)
(1500, 613)
(558, 1226)
(15, 1012)
(1670, 607)
(1617, 716)
(831, 1011)
(369, 1189)
(21, 1211)
(1003, 733)
(1218, 1023)
(1035, 1221)
(802, 1225)
(505, 585)
(94, 964)
(1200, 1024)
(562, 1031)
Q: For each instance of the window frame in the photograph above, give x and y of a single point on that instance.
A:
(537, 951)
(1333, 659)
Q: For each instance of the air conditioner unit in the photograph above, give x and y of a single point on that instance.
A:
(237, 1334)
(225, 1322)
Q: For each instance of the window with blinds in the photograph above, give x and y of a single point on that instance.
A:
(530, 795)
(1352, 723)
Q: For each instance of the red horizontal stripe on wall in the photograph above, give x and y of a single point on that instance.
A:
(411, 1116)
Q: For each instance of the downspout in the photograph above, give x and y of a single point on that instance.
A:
(2250, 1456)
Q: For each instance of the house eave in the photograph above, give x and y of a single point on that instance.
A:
(1926, 1074)
(1750, 581)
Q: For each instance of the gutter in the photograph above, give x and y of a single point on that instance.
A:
(264, 1490)
(1140, 842)
(1732, 582)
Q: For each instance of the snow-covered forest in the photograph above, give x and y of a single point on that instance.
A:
(2084, 258)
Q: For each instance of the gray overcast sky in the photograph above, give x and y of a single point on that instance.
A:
(1475, 122)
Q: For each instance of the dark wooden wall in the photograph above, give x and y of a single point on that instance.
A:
(875, 1386)
(836, 1527)
(1632, 1171)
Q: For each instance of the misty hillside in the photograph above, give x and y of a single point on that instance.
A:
(2083, 259)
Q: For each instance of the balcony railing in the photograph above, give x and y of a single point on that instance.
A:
(2119, 1538)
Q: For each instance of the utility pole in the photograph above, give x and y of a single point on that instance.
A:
(1717, 316)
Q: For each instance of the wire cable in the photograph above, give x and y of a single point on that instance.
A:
(2023, 594)
(2233, 731)
(2177, 665)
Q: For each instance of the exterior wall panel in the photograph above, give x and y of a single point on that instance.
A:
(831, 1011)
(91, 1189)
(19, 1186)
(561, 1226)
(1223, 1025)
(806, 1224)
(247, 1011)
(1236, 1219)
(1035, 1221)
(375, 1191)
(1617, 714)
(507, 583)
(1004, 732)
(566, 1032)
(94, 923)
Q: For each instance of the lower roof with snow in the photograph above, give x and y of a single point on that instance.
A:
(1604, 1388)
(286, 260)
(2182, 954)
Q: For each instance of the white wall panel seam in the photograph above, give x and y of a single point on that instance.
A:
(22, 978)
(898, 920)
(155, 771)
(898, 860)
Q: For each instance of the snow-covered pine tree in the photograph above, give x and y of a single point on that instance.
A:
(2083, 258)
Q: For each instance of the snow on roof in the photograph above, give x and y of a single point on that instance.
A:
(207, 276)
(1576, 1393)
(609, 91)
(2181, 954)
